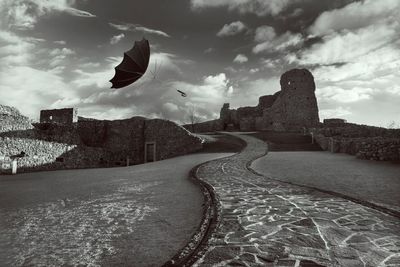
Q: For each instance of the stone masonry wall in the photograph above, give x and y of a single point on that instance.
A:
(88, 143)
(122, 138)
(11, 120)
(365, 142)
(171, 139)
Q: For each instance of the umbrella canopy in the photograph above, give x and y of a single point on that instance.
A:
(133, 66)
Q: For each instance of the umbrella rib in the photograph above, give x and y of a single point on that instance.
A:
(125, 80)
(138, 47)
(141, 54)
(136, 72)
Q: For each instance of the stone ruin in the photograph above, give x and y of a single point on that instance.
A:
(62, 140)
(291, 109)
(61, 116)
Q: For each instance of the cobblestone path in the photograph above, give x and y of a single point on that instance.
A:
(267, 223)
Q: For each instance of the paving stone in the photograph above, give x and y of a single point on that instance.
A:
(275, 224)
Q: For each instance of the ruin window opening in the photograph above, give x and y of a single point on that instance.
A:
(51, 118)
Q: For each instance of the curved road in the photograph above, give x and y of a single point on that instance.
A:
(130, 216)
(371, 181)
(268, 223)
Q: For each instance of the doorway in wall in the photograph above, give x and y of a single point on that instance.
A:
(150, 151)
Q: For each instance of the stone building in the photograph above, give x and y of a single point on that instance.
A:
(293, 108)
(62, 116)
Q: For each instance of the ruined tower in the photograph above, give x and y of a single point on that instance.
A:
(290, 109)
(298, 101)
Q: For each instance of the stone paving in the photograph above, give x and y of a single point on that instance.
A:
(264, 222)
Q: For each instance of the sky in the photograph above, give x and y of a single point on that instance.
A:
(62, 53)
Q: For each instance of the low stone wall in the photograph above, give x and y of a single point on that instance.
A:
(12, 120)
(360, 140)
(387, 149)
(356, 130)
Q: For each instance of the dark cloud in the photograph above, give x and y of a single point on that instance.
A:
(65, 53)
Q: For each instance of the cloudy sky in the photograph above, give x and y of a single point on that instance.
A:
(62, 53)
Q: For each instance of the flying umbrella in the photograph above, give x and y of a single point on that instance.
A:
(133, 66)
(182, 93)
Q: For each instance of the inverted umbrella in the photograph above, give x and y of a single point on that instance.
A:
(133, 66)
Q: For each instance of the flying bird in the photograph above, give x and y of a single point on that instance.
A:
(182, 93)
(133, 65)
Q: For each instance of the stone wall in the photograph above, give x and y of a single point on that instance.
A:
(88, 143)
(12, 120)
(365, 142)
(47, 155)
(171, 139)
(123, 139)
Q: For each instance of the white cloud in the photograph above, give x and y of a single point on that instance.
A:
(254, 70)
(59, 55)
(138, 27)
(269, 42)
(61, 42)
(344, 96)
(240, 58)
(258, 7)
(339, 112)
(264, 33)
(231, 29)
(171, 107)
(116, 38)
(355, 15)
(349, 46)
(30, 89)
(24, 14)
(210, 92)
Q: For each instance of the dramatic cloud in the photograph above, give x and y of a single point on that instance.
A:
(240, 58)
(268, 41)
(23, 14)
(353, 51)
(344, 96)
(137, 27)
(349, 46)
(231, 29)
(116, 38)
(356, 15)
(207, 96)
(258, 7)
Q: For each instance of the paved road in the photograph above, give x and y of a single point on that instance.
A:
(371, 181)
(132, 216)
(268, 223)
